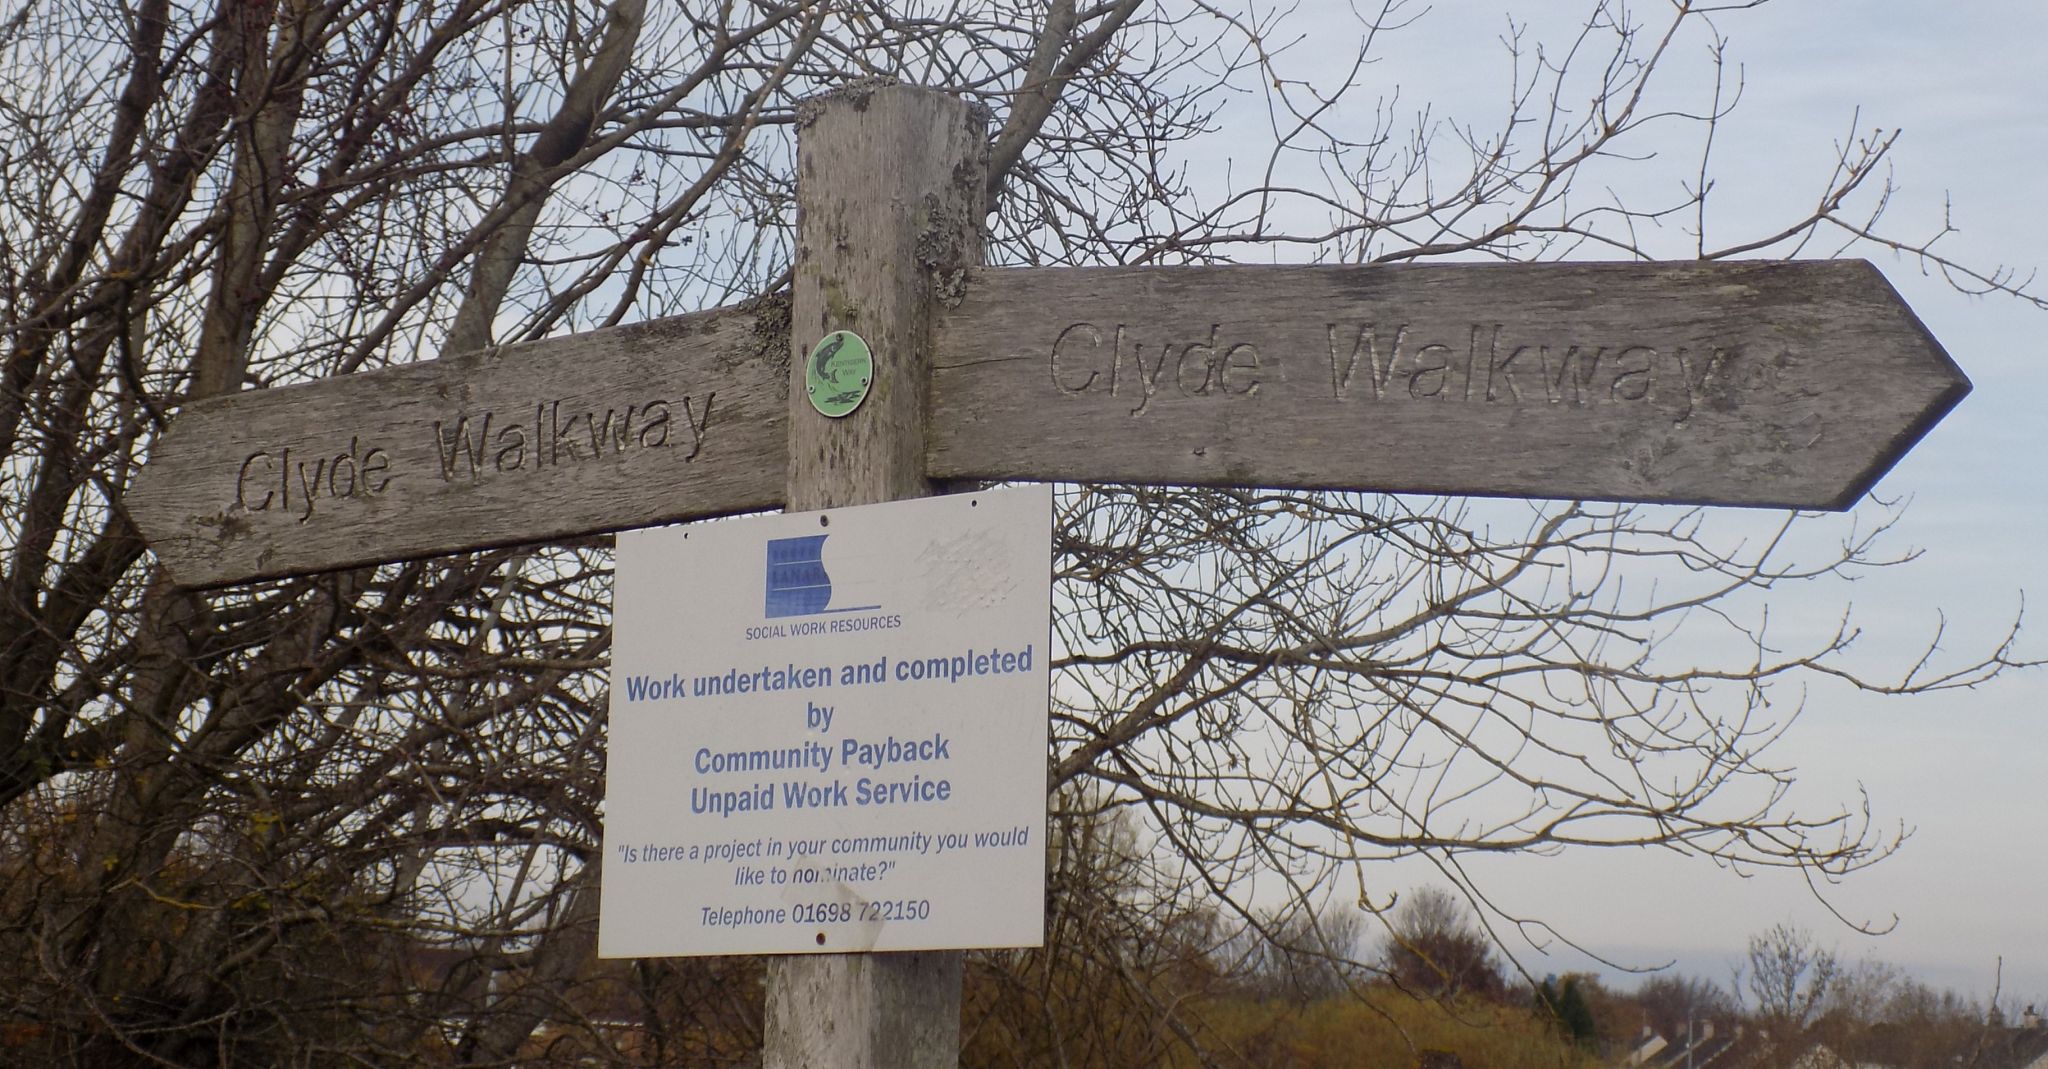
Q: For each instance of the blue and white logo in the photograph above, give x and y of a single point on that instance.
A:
(797, 583)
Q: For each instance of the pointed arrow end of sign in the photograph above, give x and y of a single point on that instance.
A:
(1934, 380)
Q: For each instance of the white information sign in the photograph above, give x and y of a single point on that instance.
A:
(828, 731)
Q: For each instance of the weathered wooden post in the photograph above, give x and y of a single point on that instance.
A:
(889, 212)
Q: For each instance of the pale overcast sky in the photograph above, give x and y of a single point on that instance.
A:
(1968, 771)
(1966, 84)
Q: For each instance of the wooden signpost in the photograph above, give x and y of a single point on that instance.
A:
(1781, 384)
(677, 419)
(893, 199)
(1776, 384)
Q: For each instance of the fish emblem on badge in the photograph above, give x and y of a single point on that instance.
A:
(838, 373)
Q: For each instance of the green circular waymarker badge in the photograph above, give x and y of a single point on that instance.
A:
(838, 373)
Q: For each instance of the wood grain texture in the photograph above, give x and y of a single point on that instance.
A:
(889, 212)
(1767, 384)
(889, 206)
(863, 1011)
(669, 420)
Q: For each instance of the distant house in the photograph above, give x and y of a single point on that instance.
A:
(1707, 1047)
(1726, 1047)
(1711, 1047)
(2027, 1046)
(2002, 1047)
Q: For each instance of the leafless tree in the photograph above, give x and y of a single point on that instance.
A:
(351, 818)
(1675, 1005)
(1789, 978)
(1432, 947)
(1127, 945)
(1800, 994)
